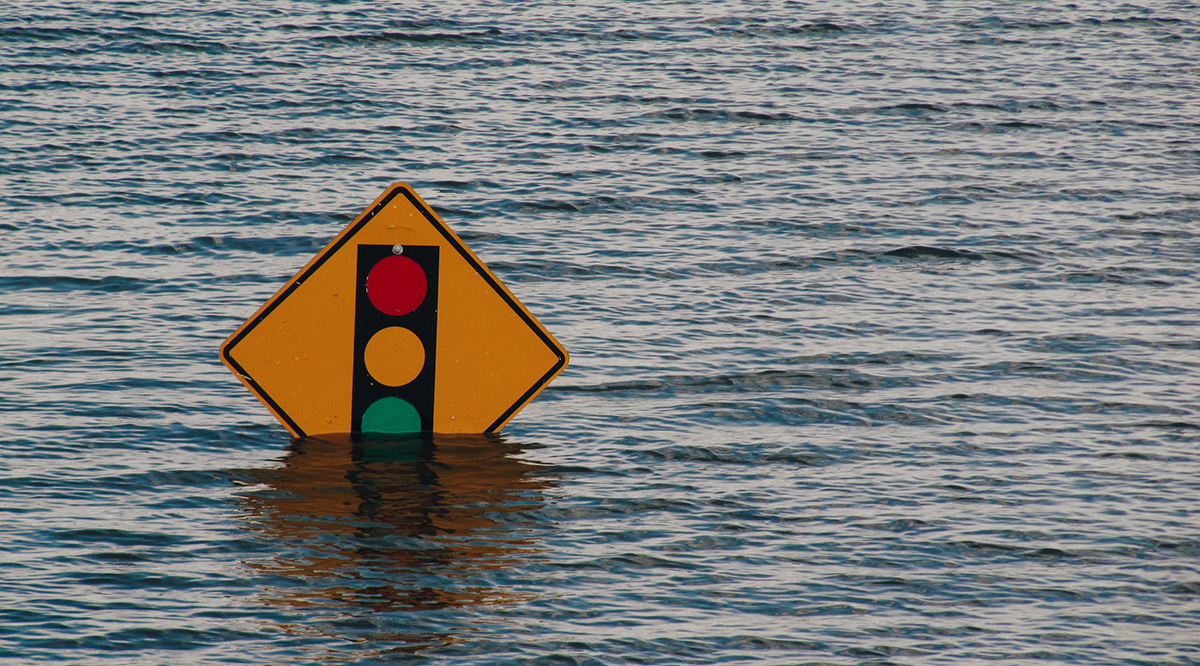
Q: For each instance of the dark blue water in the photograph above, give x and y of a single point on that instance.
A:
(882, 320)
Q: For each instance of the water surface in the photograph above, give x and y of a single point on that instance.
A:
(882, 321)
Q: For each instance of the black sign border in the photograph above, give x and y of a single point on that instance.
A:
(396, 190)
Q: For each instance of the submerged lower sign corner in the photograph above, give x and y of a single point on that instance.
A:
(395, 327)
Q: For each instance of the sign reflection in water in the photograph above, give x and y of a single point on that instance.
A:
(396, 525)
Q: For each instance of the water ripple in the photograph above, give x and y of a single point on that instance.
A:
(881, 325)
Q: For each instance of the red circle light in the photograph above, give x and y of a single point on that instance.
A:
(396, 285)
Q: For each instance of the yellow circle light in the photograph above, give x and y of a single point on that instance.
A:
(394, 356)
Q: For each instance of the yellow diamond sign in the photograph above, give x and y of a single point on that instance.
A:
(396, 327)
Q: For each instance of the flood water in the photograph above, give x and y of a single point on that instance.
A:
(882, 322)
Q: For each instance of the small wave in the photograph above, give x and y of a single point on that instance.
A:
(204, 47)
(17, 33)
(375, 38)
(998, 127)
(1136, 20)
(817, 28)
(1111, 276)
(898, 525)
(763, 380)
(1013, 24)
(275, 245)
(118, 537)
(911, 109)
(1188, 588)
(1047, 553)
(720, 115)
(929, 252)
(108, 283)
(734, 455)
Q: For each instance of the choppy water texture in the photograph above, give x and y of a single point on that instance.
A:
(882, 320)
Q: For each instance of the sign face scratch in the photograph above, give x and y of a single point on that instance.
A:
(396, 327)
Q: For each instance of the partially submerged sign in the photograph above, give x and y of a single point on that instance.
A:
(395, 328)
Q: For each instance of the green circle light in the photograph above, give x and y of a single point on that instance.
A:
(391, 416)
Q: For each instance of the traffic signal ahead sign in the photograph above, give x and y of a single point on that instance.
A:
(394, 328)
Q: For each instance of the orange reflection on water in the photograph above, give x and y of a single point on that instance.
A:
(396, 525)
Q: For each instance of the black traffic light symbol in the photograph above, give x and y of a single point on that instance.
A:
(395, 339)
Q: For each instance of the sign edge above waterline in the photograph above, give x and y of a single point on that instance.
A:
(392, 202)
